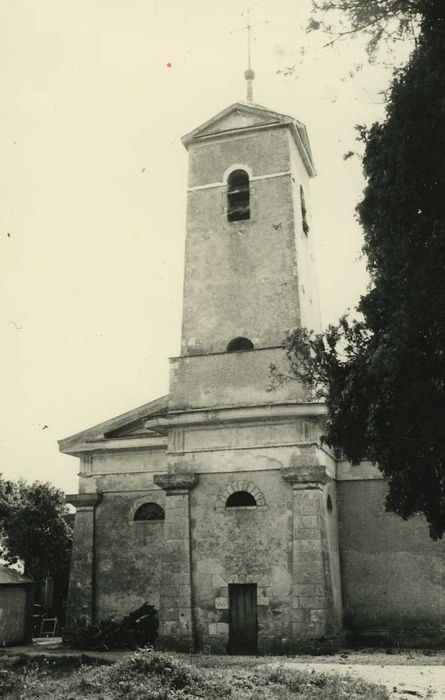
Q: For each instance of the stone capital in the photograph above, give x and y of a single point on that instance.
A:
(306, 475)
(84, 500)
(171, 482)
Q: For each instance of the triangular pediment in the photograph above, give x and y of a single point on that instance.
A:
(244, 116)
(237, 116)
(130, 424)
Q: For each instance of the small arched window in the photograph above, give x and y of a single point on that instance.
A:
(149, 511)
(239, 345)
(303, 212)
(240, 499)
(238, 196)
(329, 503)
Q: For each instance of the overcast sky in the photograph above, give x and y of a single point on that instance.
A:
(93, 181)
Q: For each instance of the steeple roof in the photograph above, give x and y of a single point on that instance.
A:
(244, 116)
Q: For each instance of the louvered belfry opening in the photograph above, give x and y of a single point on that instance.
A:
(303, 212)
(238, 196)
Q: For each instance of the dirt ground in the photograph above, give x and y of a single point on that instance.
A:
(405, 681)
(406, 674)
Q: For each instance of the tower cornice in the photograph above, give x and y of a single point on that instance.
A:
(243, 118)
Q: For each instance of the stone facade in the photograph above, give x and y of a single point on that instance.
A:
(309, 536)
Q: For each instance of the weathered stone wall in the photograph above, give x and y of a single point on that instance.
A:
(311, 593)
(259, 445)
(116, 562)
(305, 243)
(128, 554)
(316, 606)
(176, 602)
(125, 470)
(239, 436)
(229, 379)
(242, 546)
(81, 599)
(393, 574)
(240, 277)
(263, 151)
(332, 543)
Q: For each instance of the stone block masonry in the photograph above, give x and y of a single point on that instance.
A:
(312, 595)
(81, 602)
(176, 609)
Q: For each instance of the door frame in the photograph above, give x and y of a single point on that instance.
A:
(232, 646)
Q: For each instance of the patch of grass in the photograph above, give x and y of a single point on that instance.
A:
(224, 661)
(57, 663)
(149, 675)
(322, 686)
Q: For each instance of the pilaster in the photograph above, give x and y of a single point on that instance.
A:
(176, 629)
(312, 595)
(81, 604)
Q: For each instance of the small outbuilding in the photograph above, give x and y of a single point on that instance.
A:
(16, 601)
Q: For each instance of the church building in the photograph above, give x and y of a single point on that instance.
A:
(218, 503)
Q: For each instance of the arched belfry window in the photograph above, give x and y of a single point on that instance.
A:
(149, 511)
(303, 211)
(239, 345)
(238, 196)
(241, 499)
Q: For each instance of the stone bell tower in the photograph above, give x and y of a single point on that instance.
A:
(249, 260)
(249, 264)
(249, 277)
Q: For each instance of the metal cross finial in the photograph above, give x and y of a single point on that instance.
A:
(249, 74)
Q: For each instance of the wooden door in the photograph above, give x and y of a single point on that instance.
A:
(243, 634)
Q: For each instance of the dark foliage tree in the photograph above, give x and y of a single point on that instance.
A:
(383, 376)
(34, 531)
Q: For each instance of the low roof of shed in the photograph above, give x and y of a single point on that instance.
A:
(11, 577)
